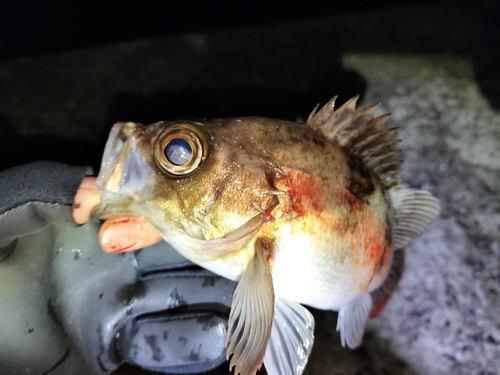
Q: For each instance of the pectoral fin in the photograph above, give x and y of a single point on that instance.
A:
(251, 316)
(292, 339)
(352, 320)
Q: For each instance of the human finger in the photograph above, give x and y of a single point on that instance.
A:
(87, 198)
(127, 233)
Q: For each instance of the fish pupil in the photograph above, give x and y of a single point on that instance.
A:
(178, 151)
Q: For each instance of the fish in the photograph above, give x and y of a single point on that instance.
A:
(309, 214)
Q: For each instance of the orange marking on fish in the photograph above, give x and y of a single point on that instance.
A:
(331, 210)
(377, 308)
(374, 250)
(268, 217)
(346, 197)
(268, 244)
(305, 192)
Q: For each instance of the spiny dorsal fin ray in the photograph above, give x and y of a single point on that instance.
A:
(369, 127)
(319, 118)
(380, 147)
(381, 169)
(362, 134)
(314, 111)
(375, 160)
(378, 136)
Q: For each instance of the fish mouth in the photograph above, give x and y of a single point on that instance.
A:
(124, 170)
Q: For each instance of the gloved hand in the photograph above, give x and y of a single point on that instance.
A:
(67, 308)
(117, 234)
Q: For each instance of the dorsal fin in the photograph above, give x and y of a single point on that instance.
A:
(364, 135)
(413, 212)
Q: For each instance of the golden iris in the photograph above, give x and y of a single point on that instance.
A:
(181, 148)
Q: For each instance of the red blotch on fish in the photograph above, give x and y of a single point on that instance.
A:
(268, 217)
(378, 307)
(374, 250)
(268, 244)
(305, 192)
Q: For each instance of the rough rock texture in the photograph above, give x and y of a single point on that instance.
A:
(431, 66)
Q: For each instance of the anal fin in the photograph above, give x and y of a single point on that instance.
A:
(251, 316)
(352, 320)
(292, 339)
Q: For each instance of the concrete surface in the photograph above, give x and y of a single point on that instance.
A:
(432, 67)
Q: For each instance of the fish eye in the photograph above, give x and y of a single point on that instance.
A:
(181, 148)
(178, 151)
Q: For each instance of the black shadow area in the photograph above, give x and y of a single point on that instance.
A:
(16, 149)
(231, 102)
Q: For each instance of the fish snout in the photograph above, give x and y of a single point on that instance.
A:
(124, 167)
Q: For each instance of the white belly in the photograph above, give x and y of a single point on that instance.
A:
(312, 270)
(297, 277)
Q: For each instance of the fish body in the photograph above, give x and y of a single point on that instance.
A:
(297, 213)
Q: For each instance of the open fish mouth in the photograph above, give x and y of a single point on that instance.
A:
(124, 170)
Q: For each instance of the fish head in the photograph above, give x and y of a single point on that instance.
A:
(203, 179)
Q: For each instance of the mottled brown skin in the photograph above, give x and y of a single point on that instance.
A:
(245, 159)
(293, 177)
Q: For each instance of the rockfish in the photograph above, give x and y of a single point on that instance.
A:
(310, 214)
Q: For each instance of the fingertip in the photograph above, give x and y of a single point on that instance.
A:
(119, 234)
(127, 233)
(89, 183)
(80, 214)
(85, 201)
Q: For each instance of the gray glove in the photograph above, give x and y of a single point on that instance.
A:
(67, 308)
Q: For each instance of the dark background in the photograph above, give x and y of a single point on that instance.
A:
(31, 29)
(34, 27)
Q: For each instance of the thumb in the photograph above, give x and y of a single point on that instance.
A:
(87, 198)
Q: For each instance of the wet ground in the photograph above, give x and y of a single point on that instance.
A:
(433, 66)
